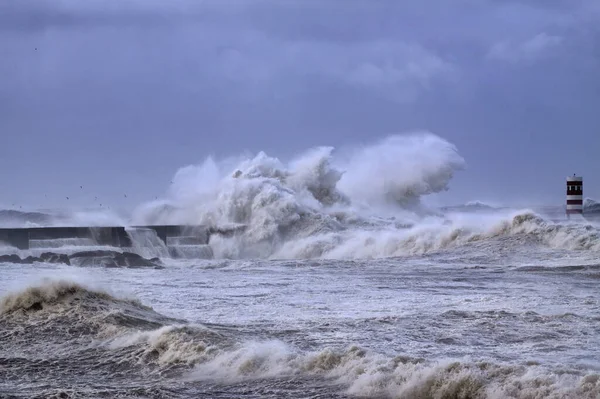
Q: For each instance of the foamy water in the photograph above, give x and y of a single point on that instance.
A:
(341, 285)
(408, 327)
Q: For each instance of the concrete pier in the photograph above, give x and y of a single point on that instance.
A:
(116, 236)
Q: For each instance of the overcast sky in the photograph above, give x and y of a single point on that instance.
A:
(117, 95)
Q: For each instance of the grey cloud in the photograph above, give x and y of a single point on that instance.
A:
(398, 68)
(527, 51)
(83, 82)
(229, 48)
(40, 15)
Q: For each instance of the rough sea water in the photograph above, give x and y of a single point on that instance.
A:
(343, 284)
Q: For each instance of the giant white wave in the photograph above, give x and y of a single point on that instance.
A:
(314, 194)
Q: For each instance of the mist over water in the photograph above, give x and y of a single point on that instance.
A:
(341, 282)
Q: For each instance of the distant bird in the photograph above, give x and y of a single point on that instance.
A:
(125, 195)
(67, 197)
(80, 186)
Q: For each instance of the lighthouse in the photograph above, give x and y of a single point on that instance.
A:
(574, 195)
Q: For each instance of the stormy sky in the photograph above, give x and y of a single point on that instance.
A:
(117, 95)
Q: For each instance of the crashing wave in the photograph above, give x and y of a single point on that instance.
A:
(56, 295)
(400, 170)
(366, 374)
(55, 313)
(309, 208)
(436, 235)
(314, 194)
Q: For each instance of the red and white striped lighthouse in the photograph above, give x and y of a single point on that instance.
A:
(574, 195)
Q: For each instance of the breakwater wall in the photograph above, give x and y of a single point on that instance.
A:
(116, 236)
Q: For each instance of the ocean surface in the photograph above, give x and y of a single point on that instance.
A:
(331, 291)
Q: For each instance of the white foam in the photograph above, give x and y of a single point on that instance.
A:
(367, 374)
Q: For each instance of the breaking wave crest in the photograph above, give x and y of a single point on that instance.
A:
(78, 327)
(366, 374)
(523, 228)
(59, 294)
(51, 313)
(555, 235)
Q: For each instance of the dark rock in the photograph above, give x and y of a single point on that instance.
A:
(113, 259)
(48, 257)
(88, 258)
(93, 254)
(10, 259)
(51, 257)
(131, 259)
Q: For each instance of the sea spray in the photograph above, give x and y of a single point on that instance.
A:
(310, 196)
(400, 169)
(146, 243)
